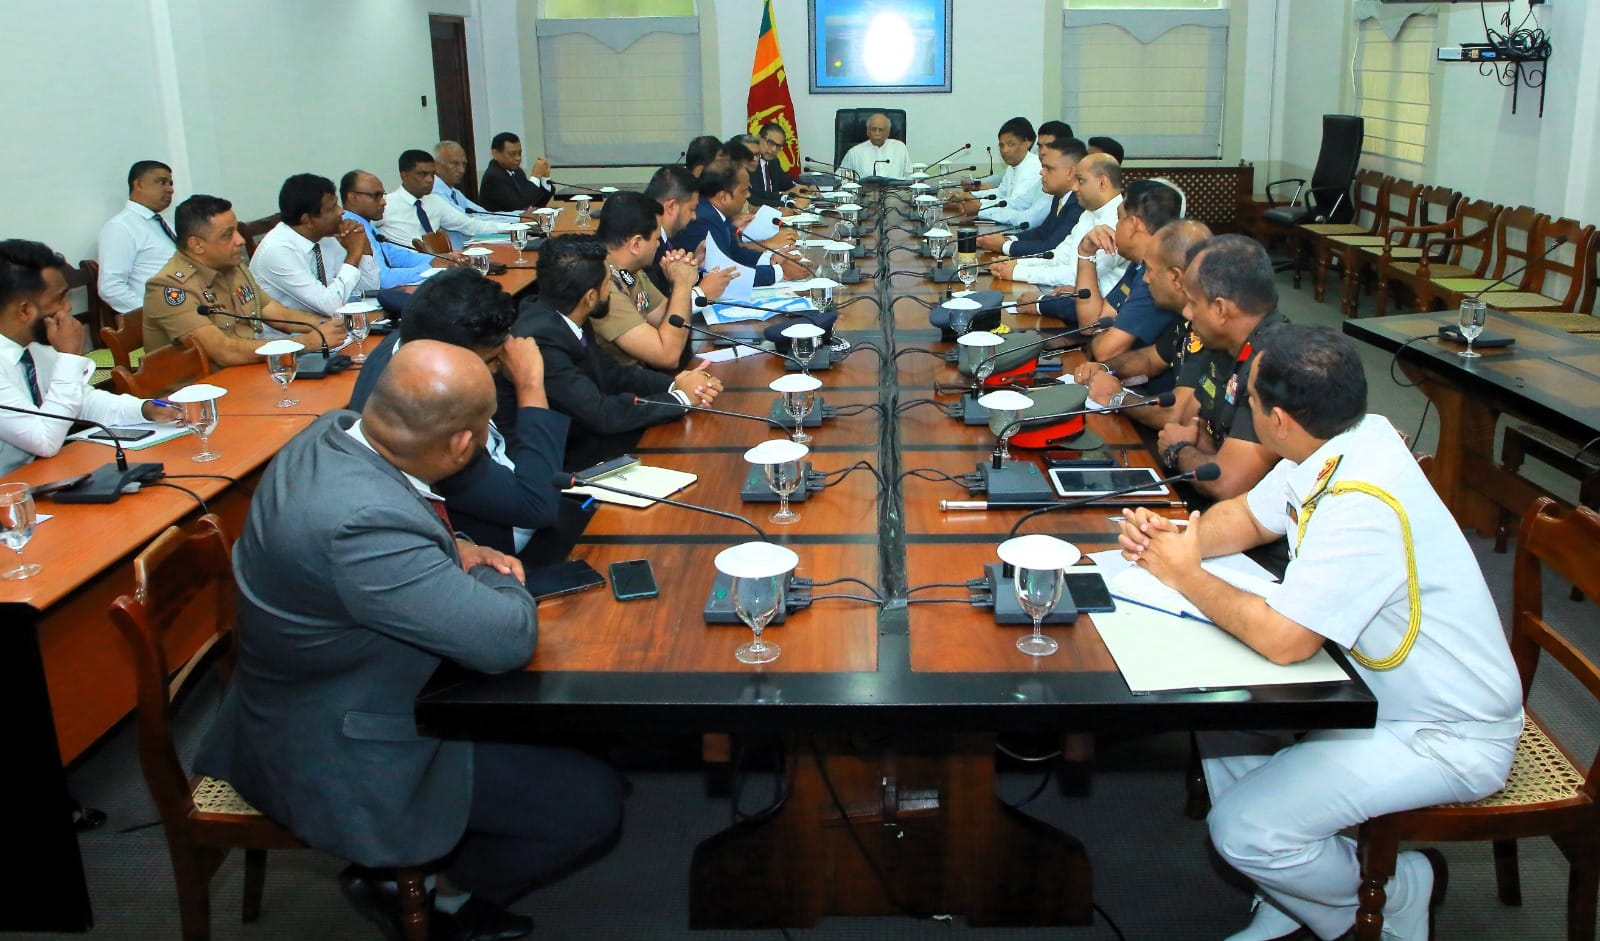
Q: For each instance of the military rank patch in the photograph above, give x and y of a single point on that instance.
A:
(1195, 345)
(174, 296)
(179, 275)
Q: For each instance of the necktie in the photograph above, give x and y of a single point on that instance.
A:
(444, 515)
(164, 227)
(322, 271)
(455, 197)
(766, 181)
(31, 373)
(422, 218)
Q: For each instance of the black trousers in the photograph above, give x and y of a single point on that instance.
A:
(536, 811)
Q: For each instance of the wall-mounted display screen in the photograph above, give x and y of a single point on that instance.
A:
(880, 46)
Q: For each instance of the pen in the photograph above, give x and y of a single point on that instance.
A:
(586, 504)
(165, 404)
(1175, 614)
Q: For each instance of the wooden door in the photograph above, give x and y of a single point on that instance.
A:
(452, 92)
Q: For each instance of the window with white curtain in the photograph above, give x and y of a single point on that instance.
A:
(619, 80)
(1393, 66)
(1151, 74)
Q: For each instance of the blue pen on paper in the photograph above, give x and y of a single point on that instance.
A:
(1152, 607)
(586, 504)
(163, 403)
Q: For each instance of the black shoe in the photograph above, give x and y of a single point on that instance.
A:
(478, 920)
(378, 904)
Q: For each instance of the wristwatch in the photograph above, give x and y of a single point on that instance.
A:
(1169, 456)
(1116, 400)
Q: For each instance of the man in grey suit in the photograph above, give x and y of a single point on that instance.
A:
(352, 590)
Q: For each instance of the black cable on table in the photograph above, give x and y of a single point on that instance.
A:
(196, 496)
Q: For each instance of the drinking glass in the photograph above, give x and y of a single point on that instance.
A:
(1473, 315)
(756, 601)
(519, 240)
(17, 517)
(798, 404)
(479, 257)
(784, 479)
(803, 348)
(839, 259)
(201, 417)
(960, 320)
(968, 274)
(282, 367)
(582, 208)
(930, 216)
(360, 325)
(844, 231)
(1038, 590)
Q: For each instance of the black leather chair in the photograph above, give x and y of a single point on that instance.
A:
(850, 128)
(1327, 198)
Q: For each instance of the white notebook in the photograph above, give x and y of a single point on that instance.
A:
(640, 478)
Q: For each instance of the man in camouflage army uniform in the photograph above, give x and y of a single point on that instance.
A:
(208, 271)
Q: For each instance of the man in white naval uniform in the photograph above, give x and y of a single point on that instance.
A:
(1379, 567)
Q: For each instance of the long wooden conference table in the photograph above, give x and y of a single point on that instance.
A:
(888, 712)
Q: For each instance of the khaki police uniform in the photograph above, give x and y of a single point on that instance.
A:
(632, 296)
(173, 297)
(1380, 568)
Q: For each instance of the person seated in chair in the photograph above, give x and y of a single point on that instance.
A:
(353, 590)
(1380, 569)
(878, 155)
(505, 188)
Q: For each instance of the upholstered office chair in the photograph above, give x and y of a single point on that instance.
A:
(1326, 198)
(182, 611)
(850, 128)
(161, 371)
(1548, 793)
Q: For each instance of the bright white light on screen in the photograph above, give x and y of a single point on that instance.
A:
(888, 47)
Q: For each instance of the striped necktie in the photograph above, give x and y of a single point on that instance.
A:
(164, 227)
(322, 270)
(422, 218)
(31, 373)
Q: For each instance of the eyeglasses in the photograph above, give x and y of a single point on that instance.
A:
(368, 195)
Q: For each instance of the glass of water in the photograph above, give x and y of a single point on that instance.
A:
(358, 326)
(519, 239)
(1039, 565)
(1474, 313)
(581, 207)
(968, 275)
(17, 518)
(759, 571)
(282, 366)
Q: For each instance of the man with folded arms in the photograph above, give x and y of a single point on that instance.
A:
(1019, 186)
(352, 591)
(40, 365)
(1380, 569)
(1098, 181)
(504, 187)
(209, 271)
(414, 209)
(314, 258)
(136, 242)
(879, 154)
(721, 198)
(1058, 167)
(594, 390)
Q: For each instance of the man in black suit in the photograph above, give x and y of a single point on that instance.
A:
(770, 185)
(1058, 159)
(722, 196)
(505, 494)
(505, 188)
(676, 189)
(595, 391)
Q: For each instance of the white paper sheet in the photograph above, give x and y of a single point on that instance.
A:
(763, 225)
(724, 354)
(1161, 653)
(739, 288)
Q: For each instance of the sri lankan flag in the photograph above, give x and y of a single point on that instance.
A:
(769, 93)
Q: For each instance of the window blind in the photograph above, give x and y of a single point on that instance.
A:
(1393, 79)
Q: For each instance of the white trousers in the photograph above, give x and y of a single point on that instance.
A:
(1277, 805)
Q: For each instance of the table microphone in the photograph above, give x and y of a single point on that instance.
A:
(875, 165)
(312, 364)
(566, 481)
(389, 241)
(990, 152)
(1047, 255)
(831, 166)
(1203, 473)
(766, 420)
(587, 191)
(105, 484)
(963, 147)
(1164, 400)
(962, 215)
(684, 324)
(948, 173)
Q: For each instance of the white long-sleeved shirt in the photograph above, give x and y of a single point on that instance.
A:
(1063, 269)
(1021, 190)
(860, 159)
(132, 249)
(65, 390)
(285, 267)
(401, 224)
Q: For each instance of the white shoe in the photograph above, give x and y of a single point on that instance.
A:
(1425, 878)
(1269, 923)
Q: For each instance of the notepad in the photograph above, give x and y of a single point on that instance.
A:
(162, 432)
(643, 479)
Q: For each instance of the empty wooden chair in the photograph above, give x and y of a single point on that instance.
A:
(255, 230)
(161, 371)
(1557, 275)
(1548, 792)
(125, 338)
(1362, 259)
(1371, 193)
(1463, 246)
(1516, 241)
(181, 612)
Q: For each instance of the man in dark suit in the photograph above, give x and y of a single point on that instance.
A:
(505, 494)
(676, 189)
(770, 185)
(505, 188)
(352, 591)
(594, 390)
(1058, 159)
(722, 196)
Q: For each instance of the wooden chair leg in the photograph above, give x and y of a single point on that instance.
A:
(1350, 290)
(413, 904)
(192, 870)
(1507, 880)
(1380, 296)
(255, 881)
(1198, 802)
(1512, 454)
(1583, 882)
(1319, 284)
(1299, 254)
(1377, 856)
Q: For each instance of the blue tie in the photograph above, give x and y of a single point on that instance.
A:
(30, 373)
(422, 217)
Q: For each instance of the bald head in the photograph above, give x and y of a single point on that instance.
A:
(431, 408)
(450, 161)
(1099, 180)
(1176, 239)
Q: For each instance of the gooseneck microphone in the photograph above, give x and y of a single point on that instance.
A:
(843, 171)
(640, 400)
(963, 148)
(1203, 473)
(999, 261)
(990, 152)
(312, 364)
(986, 368)
(105, 483)
(962, 215)
(949, 173)
(565, 481)
(389, 241)
(582, 189)
(683, 324)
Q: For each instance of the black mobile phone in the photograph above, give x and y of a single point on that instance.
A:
(565, 578)
(122, 434)
(633, 579)
(1063, 457)
(1089, 592)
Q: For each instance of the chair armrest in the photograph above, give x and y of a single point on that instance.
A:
(1482, 235)
(1423, 229)
(1300, 185)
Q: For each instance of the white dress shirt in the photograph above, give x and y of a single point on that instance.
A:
(400, 218)
(132, 249)
(460, 201)
(285, 266)
(64, 389)
(860, 159)
(1063, 269)
(1021, 190)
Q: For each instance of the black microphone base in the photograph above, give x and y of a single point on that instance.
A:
(316, 366)
(1017, 484)
(969, 412)
(859, 251)
(106, 483)
(850, 276)
(1008, 611)
(719, 603)
(812, 419)
(940, 274)
(756, 490)
(821, 359)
